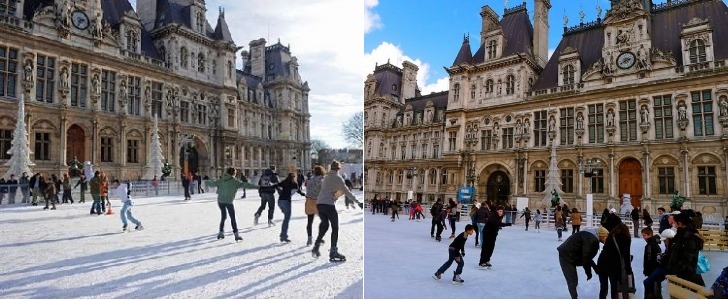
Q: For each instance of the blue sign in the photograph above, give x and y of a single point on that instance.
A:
(465, 194)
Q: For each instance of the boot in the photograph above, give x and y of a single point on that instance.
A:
(335, 256)
(220, 235)
(315, 251)
(285, 240)
(271, 223)
(255, 221)
(457, 280)
(238, 238)
(139, 227)
(310, 241)
(123, 228)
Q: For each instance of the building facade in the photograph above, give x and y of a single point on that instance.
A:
(95, 72)
(643, 90)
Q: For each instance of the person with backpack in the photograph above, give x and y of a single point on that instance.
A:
(267, 186)
(435, 213)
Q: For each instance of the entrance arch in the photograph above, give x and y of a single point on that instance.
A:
(630, 180)
(498, 188)
(197, 157)
(75, 143)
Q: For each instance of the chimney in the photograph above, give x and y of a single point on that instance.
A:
(541, 31)
(257, 58)
(409, 80)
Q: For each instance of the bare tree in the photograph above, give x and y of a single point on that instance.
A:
(316, 149)
(353, 130)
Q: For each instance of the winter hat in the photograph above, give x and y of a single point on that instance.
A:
(612, 210)
(603, 232)
(668, 233)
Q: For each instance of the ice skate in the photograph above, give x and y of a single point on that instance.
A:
(452, 236)
(285, 240)
(271, 223)
(315, 251)
(139, 227)
(238, 239)
(123, 228)
(45, 208)
(220, 235)
(437, 276)
(310, 241)
(255, 221)
(335, 256)
(485, 266)
(457, 280)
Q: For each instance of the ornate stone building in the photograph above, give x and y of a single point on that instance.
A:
(95, 72)
(642, 89)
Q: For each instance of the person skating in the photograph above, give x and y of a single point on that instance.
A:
(441, 225)
(186, 186)
(104, 193)
(612, 220)
(575, 220)
(527, 214)
(24, 187)
(474, 221)
(609, 265)
(57, 183)
(123, 192)
(452, 215)
(456, 252)
(227, 186)
(490, 233)
(481, 217)
(50, 193)
(395, 206)
(313, 188)
(243, 178)
(268, 184)
(635, 214)
(200, 190)
(650, 263)
(84, 186)
(559, 222)
(37, 184)
(435, 213)
(684, 248)
(331, 188)
(95, 189)
(538, 218)
(285, 192)
(579, 250)
(67, 189)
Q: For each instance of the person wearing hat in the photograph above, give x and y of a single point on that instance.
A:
(612, 220)
(579, 250)
(332, 187)
(657, 276)
(683, 252)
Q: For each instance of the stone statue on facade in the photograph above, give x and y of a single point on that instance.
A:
(610, 118)
(96, 85)
(65, 80)
(677, 201)
(645, 115)
(429, 116)
(527, 127)
(519, 127)
(97, 29)
(75, 167)
(723, 107)
(682, 113)
(643, 59)
(552, 124)
(579, 122)
(123, 93)
(63, 15)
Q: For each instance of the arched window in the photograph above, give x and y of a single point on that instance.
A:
(510, 85)
(489, 87)
(697, 51)
(568, 75)
(456, 92)
(472, 92)
(391, 177)
(183, 57)
(201, 63)
(492, 49)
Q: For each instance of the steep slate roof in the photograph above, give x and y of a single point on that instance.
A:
(439, 100)
(31, 6)
(222, 32)
(665, 34)
(251, 80)
(464, 55)
(114, 11)
(518, 33)
(387, 75)
(280, 57)
(177, 12)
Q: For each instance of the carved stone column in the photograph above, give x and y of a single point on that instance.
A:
(64, 140)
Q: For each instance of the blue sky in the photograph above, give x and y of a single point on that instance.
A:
(430, 32)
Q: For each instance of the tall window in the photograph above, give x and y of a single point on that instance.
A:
(8, 7)
(485, 139)
(183, 57)
(568, 75)
(135, 95)
(184, 111)
(452, 140)
(539, 180)
(433, 176)
(663, 116)
(200, 21)
(391, 177)
(508, 138)
(157, 99)
(567, 126)
(472, 92)
(424, 151)
(45, 82)
(443, 179)
(414, 151)
(107, 149)
(108, 90)
(596, 123)
(42, 146)
(230, 69)
(201, 63)
(706, 181)
(540, 128)
(231, 117)
(403, 152)
(666, 177)
(400, 177)
(79, 86)
(489, 87)
(492, 49)
(456, 92)
(436, 151)
(6, 138)
(132, 41)
(510, 85)
(202, 114)
(132, 151)
(567, 181)
(8, 70)
(697, 51)
(702, 113)
(597, 182)
(628, 120)
(394, 152)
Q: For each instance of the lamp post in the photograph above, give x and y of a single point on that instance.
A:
(589, 168)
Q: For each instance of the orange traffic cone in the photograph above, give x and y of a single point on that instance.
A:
(109, 211)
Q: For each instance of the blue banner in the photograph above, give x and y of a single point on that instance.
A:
(465, 194)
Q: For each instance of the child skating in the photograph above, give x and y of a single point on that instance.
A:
(456, 252)
(123, 191)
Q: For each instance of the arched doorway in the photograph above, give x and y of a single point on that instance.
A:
(192, 156)
(498, 188)
(630, 180)
(75, 143)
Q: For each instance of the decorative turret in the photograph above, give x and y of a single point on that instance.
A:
(464, 55)
(541, 31)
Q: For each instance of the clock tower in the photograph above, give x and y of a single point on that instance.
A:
(627, 43)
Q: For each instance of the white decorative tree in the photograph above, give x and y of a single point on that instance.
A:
(20, 162)
(553, 180)
(155, 159)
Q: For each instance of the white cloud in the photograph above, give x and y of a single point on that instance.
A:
(325, 35)
(371, 19)
(389, 52)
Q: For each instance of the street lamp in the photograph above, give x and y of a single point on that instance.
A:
(589, 168)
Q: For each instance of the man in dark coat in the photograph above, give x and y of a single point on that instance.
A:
(435, 213)
(612, 220)
(579, 250)
(635, 214)
(186, 186)
(490, 233)
(683, 252)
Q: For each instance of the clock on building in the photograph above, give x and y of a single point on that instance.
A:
(80, 20)
(626, 60)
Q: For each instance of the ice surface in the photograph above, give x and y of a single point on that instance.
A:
(67, 253)
(401, 259)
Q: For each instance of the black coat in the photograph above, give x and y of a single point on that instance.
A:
(493, 224)
(580, 248)
(284, 193)
(612, 221)
(635, 214)
(435, 210)
(481, 215)
(652, 250)
(683, 255)
(608, 260)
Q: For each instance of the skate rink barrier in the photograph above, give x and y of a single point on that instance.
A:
(679, 288)
(715, 240)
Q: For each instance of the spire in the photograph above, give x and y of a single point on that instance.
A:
(222, 32)
(464, 55)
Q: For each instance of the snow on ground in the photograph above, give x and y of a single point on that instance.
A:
(401, 258)
(69, 254)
